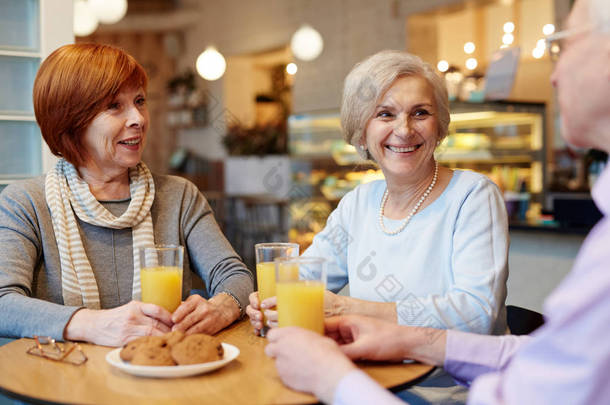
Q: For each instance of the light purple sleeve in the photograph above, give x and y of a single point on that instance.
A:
(567, 360)
(469, 355)
(358, 388)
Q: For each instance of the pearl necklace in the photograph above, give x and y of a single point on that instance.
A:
(413, 211)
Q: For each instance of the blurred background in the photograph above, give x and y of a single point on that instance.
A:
(244, 99)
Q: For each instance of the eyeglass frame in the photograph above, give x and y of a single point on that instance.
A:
(559, 35)
(58, 352)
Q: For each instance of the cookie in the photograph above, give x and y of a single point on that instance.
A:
(153, 356)
(130, 348)
(197, 348)
(174, 337)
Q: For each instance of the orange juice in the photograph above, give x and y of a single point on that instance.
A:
(288, 272)
(265, 276)
(301, 303)
(162, 286)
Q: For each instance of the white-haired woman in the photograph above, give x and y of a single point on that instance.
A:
(428, 245)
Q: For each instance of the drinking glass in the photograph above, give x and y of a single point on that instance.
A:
(161, 275)
(300, 285)
(266, 253)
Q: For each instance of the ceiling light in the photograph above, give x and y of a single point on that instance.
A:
(509, 27)
(548, 29)
(471, 63)
(508, 39)
(442, 66)
(291, 68)
(469, 47)
(85, 21)
(538, 53)
(306, 43)
(211, 65)
(109, 11)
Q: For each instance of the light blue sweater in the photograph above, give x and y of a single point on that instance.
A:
(446, 269)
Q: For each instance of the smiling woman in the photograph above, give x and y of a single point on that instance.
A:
(70, 268)
(428, 245)
(402, 134)
(114, 142)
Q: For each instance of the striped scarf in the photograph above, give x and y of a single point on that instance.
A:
(66, 194)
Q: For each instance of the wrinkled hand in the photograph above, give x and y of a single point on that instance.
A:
(367, 338)
(198, 315)
(117, 326)
(255, 314)
(334, 304)
(307, 361)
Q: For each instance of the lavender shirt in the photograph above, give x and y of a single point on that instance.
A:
(566, 361)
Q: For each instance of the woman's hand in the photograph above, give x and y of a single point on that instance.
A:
(367, 338)
(307, 361)
(334, 304)
(255, 312)
(117, 326)
(198, 315)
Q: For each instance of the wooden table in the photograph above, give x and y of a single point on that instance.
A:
(249, 379)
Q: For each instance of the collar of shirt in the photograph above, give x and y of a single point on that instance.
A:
(601, 191)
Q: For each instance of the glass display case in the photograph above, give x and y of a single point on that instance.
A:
(324, 169)
(502, 140)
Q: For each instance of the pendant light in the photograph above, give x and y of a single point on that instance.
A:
(211, 64)
(85, 21)
(306, 43)
(109, 11)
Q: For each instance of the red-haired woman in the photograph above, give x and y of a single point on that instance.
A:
(68, 266)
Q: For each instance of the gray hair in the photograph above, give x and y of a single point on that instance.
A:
(371, 78)
(599, 12)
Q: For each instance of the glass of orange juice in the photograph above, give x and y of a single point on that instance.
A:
(300, 285)
(266, 253)
(161, 275)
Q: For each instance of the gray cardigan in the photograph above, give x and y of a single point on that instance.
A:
(31, 300)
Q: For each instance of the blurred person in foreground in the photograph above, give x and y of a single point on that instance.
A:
(69, 266)
(567, 360)
(426, 246)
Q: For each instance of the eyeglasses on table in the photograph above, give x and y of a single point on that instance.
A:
(68, 352)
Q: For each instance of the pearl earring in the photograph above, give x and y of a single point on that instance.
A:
(362, 147)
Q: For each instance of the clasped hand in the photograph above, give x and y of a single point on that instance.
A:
(117, 326)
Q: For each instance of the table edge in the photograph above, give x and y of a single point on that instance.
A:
(28, 399)
(408, 384)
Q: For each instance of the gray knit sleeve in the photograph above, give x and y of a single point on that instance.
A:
(211, 255)
(20, 262)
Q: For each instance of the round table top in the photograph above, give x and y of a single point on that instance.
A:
(251, 378)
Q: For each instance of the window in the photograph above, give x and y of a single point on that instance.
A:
(29, 31)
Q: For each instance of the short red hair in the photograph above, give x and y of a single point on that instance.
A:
(73, 85)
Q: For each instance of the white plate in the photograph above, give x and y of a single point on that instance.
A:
(230, 353)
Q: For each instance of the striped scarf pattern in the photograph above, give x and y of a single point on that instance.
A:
(68, 194)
